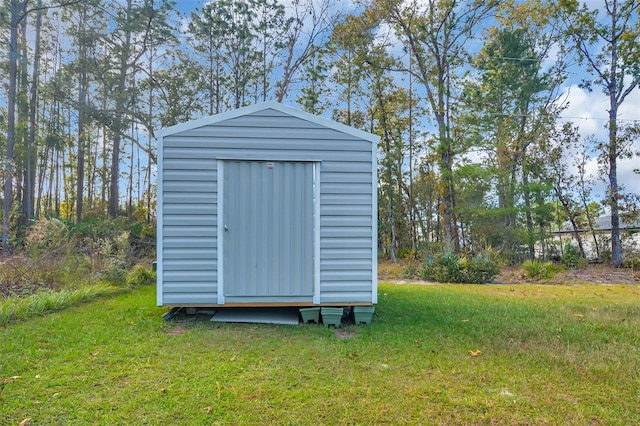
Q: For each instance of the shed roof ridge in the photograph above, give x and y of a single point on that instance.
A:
(262, 106)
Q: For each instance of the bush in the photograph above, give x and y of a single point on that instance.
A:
(571, 257)
(47, 236)
(406, 253)
(456, 269)
(632, 263)
(411, 271)
(537, 270)
(481, 270)
(140, 276)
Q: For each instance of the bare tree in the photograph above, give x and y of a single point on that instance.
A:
(311, 22)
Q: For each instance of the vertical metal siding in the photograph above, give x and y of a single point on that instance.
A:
(268, 237)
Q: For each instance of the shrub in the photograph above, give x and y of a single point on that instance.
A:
(537, 270)
(632, 263)
(406, 253)
(481, 269)
(456, 269)
(570, 258)
(411, 271)
(140, 276)
(47, 236)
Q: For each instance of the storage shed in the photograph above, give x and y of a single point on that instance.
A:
(266, 206)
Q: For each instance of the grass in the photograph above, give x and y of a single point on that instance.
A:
(19, 308)
(46, 300)
(437, 354)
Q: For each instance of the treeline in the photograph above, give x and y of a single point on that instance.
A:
(466, 96)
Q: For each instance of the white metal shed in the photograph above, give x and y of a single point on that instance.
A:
(266, 206)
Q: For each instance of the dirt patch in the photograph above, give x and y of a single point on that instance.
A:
(341, 333)
(177, 330)
(596, 274)
(593, 274)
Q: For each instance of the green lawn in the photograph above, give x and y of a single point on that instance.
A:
(438, 354)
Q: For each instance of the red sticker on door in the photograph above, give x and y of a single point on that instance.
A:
(269, 165)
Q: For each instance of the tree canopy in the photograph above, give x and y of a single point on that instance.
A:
(467, 96)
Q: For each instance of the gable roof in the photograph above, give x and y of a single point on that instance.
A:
(228, 115)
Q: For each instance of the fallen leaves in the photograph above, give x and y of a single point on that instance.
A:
(25, 422)
(505, 392)
(9, 380)
(475, 353)
(4, 382)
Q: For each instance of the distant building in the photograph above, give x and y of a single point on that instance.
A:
(629, 234)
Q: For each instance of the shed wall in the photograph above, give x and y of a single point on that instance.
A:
(189, 202)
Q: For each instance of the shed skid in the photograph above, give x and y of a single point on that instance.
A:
(265, 305)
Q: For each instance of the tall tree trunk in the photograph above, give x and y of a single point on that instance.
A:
(118, 125)
(531, 239)
(33, 108)
(130, 183)
(82, 101)
(104, 172)
(616, 244)
(23, 115)
(57, 185)
(17, 10)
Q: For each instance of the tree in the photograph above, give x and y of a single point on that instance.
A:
(18, 10)
(314, 74)
(135, 27)
(209, 32)
(178, 91)
(436, 31)
(509, 105)
(86, 31)
(607, 40)
(350, 42)
(310, 22)
(270, 27)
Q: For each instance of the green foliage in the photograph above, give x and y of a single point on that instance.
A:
(453, 268)
(140, 276)
(538, 270)
(20, 308)
(61, 255)
(47, 235)
(632, 263)
(407, 253)
(411, 271)
(570, 257)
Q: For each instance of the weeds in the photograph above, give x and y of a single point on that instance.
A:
(538, 270)
(57, 255)
(453, 268)
(140, 276)
(20, 308)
